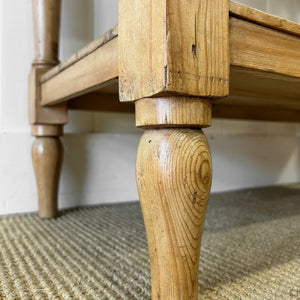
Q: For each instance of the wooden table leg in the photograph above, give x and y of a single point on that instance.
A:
(174, 173)
(172, 67)
(47, 150)
(47, 155)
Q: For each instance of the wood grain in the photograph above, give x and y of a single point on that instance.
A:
(180, 47)
(95, 70)
(174, 177)
(142, 59)
(264, 58)
(198, 47)
(46, 15)
(256, 16)
(256, 47)
(47, 150)
(37, 113)
(93, 46)
(47, 153)
(252, 46)
(173, 112)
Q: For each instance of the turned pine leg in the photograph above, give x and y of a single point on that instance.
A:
(174, 173)
(47, 150)
(172, 67)
(47, 154)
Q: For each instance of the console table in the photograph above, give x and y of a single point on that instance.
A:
(176, 64)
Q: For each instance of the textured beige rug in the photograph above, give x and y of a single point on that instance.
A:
(250, 250)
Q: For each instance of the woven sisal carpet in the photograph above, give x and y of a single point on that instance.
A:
(250, 250)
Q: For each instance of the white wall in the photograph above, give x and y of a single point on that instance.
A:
(100, 148)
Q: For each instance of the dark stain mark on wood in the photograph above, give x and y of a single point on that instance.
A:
(194, 46)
